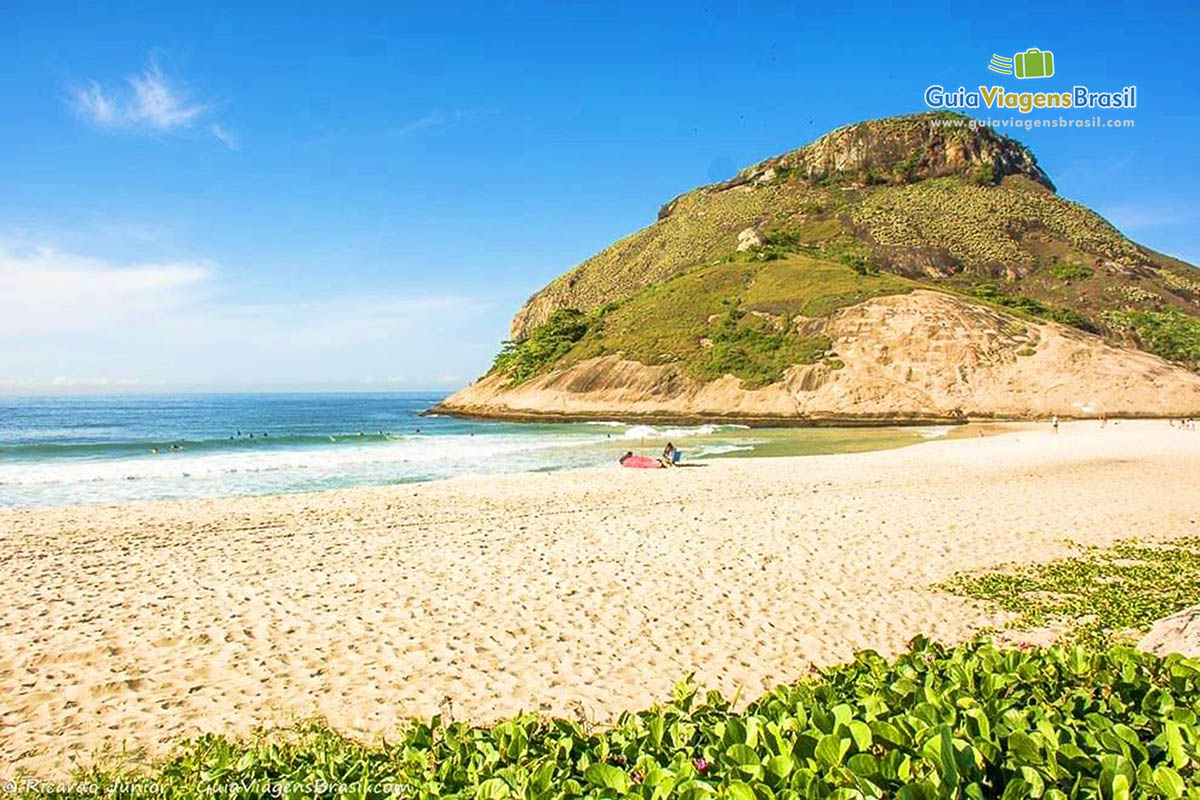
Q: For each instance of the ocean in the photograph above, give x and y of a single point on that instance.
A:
(74, 449)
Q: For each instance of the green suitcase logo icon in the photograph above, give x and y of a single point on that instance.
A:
(1033, 63)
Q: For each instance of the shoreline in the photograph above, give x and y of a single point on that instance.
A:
(762, 421)
(135, 625)
(764, 442)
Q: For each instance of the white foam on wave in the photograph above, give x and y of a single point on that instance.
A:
(934, 433)
(411, 454)
(682, 432)
(721, 449)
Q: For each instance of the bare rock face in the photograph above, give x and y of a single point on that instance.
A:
(749, 238)
(906, 149)
(1178, 633)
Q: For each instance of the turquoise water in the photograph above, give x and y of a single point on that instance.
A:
(65, 450)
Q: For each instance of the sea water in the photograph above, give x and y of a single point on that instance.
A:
(66, 449)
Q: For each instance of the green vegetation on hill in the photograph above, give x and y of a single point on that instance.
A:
(970, 722)
(1169, 334)
(994, 294)
(545, 345)
(735, 317)
(753, 350)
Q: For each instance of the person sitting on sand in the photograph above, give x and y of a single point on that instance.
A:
(640, 462)
(671, 455)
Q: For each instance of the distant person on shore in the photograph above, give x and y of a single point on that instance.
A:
(1054, 423)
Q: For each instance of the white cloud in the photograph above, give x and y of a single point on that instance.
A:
(94, 104)
(436, 119)
(160, 105)
(77, 323)
(151, 103)
(47, 291)
(223, 136)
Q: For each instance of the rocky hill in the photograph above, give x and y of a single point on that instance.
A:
(910, 268)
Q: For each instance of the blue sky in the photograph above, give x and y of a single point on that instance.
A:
(358, 196)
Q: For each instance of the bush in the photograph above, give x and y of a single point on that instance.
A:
(973, 721)
(993, 294)
(758, 357)
(545, 345)
(983, 175)
(1172, 335)
(858, 263)
(1066, 271)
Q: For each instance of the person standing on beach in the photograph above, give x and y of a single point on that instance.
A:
(1054, 423)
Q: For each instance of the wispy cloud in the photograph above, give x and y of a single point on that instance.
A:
(437, 119)
(105, 324)
(149, 102)
(47, 291)
(224, 136)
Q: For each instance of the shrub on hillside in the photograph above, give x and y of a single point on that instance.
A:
(1172, 335)
(546, 344)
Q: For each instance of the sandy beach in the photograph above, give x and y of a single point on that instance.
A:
(126, 627)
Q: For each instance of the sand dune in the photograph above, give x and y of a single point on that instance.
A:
(127, 627)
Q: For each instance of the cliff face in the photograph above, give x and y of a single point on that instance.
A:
(909, 268)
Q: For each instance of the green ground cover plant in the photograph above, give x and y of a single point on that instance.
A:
(973, 721)
(1100, 596)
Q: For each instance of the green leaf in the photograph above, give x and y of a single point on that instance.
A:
(864, 765)
(737, 790)
(1168, 782)
(1120, 788)
(1016, 789)
(493, 789)
(742, 755)
(860, 733)
(1024, 748)
(1175, 749)
(607, 777)
(830, 749)
(780, 765)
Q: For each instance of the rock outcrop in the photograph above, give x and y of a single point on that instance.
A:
(913, 268)
(1178, 633)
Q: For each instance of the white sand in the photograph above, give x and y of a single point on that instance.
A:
(127, 627)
